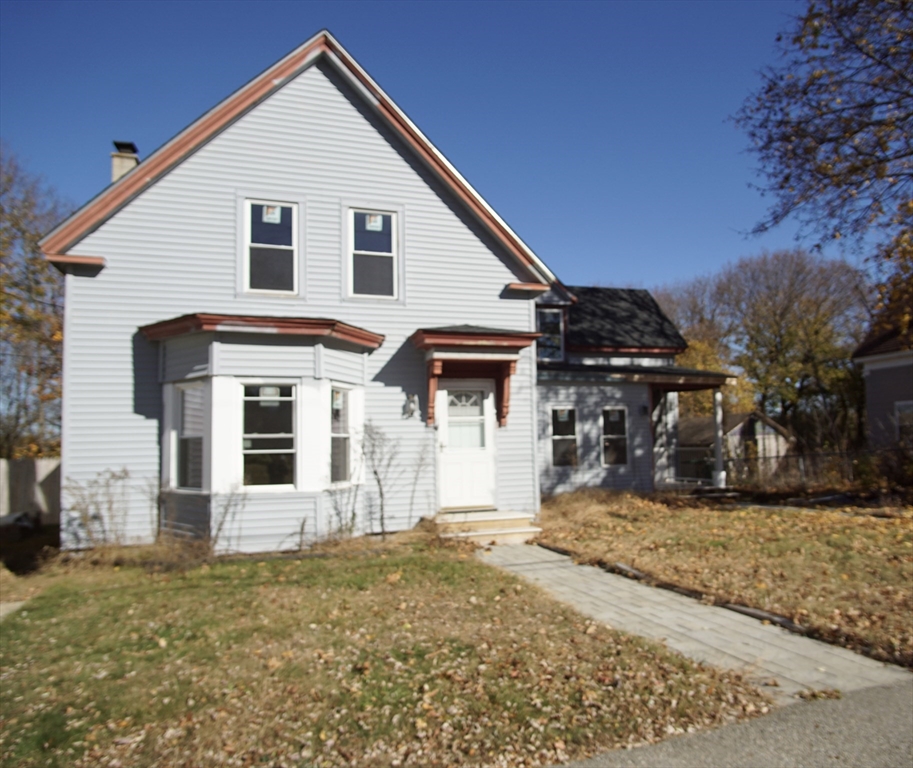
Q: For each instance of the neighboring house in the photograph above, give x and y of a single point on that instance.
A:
(754, 446)
(887, 362)
(301, 263)
(608, 389)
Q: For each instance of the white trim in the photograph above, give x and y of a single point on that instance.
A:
(603, 436)
(887, 360)
(480, 354)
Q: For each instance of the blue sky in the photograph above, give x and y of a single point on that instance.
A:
(597, 130)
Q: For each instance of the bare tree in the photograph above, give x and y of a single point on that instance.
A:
(381, 452)
(31, 315)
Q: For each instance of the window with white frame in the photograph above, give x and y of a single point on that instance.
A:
(339, 436)
(373, 257)
(614, 436)
(271, 234)
(564, 437)
(191, 425)
(269, 434)
(550, 323)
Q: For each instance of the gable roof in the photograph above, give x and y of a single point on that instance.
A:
(323, 45)
(619, 320)
(881, 340)
(699, 430)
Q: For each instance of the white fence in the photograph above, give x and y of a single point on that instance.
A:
(31, 486)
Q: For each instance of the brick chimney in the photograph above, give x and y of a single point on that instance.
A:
(124, 159)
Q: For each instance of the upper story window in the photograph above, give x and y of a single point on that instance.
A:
(614, 436)
(269, 434)
(550, 323)
(373, 266)
(271, 252)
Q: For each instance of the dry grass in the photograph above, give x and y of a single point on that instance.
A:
(415, 655)
(846, 576)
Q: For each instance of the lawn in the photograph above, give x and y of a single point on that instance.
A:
(416, 655)
(846, 575)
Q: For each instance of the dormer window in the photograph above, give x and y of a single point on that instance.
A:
(550, 323)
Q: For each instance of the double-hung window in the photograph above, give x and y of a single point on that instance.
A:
(564, 437)
(339, 436)
(271, 234)
(614, 436)
(550, 323)
(192, 414)
(373, 258)
(269, 434)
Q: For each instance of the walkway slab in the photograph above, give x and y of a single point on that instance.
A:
(706, 633)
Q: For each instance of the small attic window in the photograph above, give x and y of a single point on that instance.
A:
(550, 323)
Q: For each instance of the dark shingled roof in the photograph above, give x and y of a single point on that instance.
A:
(880, 341)
(619, 317)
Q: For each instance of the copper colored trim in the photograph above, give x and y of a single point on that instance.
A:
(528, 287)
(186, 142)
(288, 326)
(630, 350)
(425, 339)
(499, 370)
(65, 260)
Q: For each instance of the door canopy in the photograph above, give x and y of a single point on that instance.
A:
(472, 352)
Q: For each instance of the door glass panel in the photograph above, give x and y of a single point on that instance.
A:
(467, 434)
(466, 419)
(465, 404)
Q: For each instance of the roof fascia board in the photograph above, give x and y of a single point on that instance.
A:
(400, 118)
(196, 135)
(114, 197)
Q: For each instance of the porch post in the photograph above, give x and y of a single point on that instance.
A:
(719, 474)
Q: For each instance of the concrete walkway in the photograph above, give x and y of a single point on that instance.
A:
(706, 633)
(8, 608)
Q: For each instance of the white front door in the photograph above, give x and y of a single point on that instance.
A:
(465, 414)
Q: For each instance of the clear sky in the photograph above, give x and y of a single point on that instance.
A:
(598, 130)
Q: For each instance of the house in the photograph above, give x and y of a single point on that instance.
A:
(300, 273)
(887, 362)
(754, 446)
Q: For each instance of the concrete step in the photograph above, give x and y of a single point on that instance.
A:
(457, 522)
(497, 536)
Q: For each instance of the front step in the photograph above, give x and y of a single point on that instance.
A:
(487, 527)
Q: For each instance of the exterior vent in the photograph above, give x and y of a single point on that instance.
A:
(123, 159)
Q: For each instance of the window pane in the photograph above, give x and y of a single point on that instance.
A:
(372, 275)
(613, 422)
(564, 421)
(268, 417)
(549, 321)
(373, 232)
(339, 459)
(192, 411)
(269, 468)
(564, 452)
(270, 224)
(268, 391)
(339, 421)
(272, 269)
(548, 348)
(467, 434)
(615, 450)
(190, 462)
(464, 403)
(268, 443)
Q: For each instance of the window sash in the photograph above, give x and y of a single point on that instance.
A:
(358, 279)
(550, 345)
(564, 437)
(259, 250)
(614, 437)
(191, 428)
(266, 461)
(340, 459)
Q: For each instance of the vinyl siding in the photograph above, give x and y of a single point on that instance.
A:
(884, 386)
(177, 249)
(589, 401)
(186, 356)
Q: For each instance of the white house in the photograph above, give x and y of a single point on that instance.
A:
(300, 273)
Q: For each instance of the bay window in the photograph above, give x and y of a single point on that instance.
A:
(269, 434)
